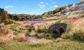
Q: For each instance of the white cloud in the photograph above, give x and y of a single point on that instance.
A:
(55, 6)
(8, 6)
(43, 4)
(47, 3)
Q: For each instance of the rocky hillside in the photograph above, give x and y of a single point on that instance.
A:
(77, 8)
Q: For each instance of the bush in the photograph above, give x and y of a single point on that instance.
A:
(74, 32)
(19, 30)
(4, 18)
(43, 27)
(74, 36)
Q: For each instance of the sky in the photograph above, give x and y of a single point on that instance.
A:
(33, 6)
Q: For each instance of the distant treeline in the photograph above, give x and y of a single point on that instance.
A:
(18, 17)
(22, 17)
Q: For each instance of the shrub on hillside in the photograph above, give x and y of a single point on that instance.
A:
(75, 30)
(4, 18)
(5, 34)
(19, 30)
(74, 35)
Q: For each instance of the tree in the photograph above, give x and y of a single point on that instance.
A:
(4, 16)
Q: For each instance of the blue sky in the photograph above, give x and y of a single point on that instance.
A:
(33, 6)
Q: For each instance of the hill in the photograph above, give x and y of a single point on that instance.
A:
(77, 8)
(60, 29)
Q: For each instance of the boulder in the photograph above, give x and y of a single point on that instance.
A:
(57, 29)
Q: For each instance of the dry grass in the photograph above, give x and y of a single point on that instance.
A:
(44, 26)
(76, 15)
(75, 29)
(74, 32)
(60, 44)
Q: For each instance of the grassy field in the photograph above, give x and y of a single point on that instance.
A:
(72, 43)
(59, 44)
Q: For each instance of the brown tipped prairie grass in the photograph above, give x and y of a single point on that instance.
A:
(75, 30)
(76, 15)
(44, 26)
(60, 44)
